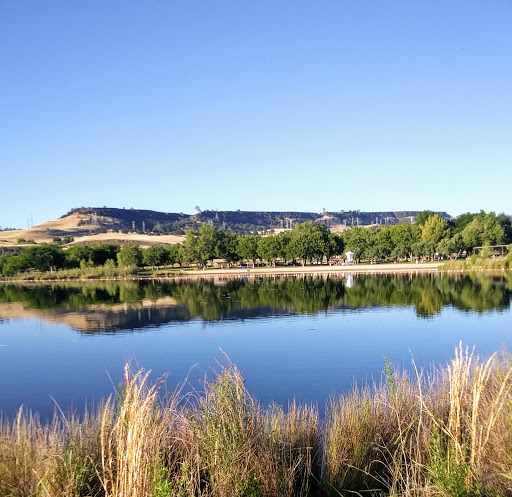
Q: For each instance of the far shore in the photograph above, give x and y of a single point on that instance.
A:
(260, 271)
(355, 268)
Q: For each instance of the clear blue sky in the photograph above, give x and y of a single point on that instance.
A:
(254, 105)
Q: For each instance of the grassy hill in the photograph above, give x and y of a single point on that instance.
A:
(146, 227)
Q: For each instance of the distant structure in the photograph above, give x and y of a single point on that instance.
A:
(93, 223)
(350, 257)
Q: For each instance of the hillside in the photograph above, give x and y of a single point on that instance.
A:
(146, 227)
(239, 221)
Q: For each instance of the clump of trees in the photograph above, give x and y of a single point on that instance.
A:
(430, 234)
(307, 242)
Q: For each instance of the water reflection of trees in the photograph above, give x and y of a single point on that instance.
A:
(216, 299)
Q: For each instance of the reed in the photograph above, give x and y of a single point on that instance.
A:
(131, 439)
(58, 459)
(443, 433)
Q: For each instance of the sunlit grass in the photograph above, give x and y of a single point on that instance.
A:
(443, 433)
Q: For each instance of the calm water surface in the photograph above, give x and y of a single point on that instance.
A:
(302, 337)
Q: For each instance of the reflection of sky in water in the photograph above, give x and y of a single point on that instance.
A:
(302, 356)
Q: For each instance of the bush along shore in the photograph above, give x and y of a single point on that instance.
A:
(443, 433)
(476, 263)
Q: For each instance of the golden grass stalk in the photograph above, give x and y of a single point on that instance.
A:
(130, 445)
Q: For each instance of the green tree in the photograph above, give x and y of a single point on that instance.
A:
(269, 248)
(11, 266)
(248, 248)
(333, 246)
(461, 221)
(102, 252)
(309, 241)
(403, 236)
(506, 223)
(355, 239)
(3, 259)
(77, 253)
(284, 245)
(44, 257)
(485, 229)
(371, 250)
(423, 249)
(421, 217)
(384, 243)
(451, 247)
(227, 244)
(206, 244)
(189, 250)
(434, 229)
(154, 256)
(129, 255)
(175, 254)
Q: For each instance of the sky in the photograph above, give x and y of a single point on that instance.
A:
(254, 105)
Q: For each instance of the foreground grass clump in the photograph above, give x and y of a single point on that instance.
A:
(447, 433)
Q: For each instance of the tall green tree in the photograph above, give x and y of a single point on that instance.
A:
(451, 246)
(175, 255)
(384, 243)
(485, 229)
(434, 229)
(227, 243)
(248, 248)
(130, 255)
(155, 256)
(74, 255)
(284, 246)
(269, 248)
(461, 221)
(333, 246)
(189, 250)
(101, 253)
(421, 217)
(403, 236)
(44, 257)
(355, 239)
(308, 241)
(206, 244)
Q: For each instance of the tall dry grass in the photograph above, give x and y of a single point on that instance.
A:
(130, 439)
(249, 451)
(59, 459)
(445, 433)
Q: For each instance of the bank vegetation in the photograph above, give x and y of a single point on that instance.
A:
(446, 432)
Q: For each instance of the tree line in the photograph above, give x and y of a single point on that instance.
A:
(305, 243)
(429, 235)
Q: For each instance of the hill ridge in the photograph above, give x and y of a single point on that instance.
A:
(113, 224)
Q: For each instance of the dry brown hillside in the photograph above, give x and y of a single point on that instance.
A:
(82, 228)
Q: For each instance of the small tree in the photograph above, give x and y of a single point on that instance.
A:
(129, 255)
(154, 256)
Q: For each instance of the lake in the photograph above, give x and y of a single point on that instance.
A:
(292, 337)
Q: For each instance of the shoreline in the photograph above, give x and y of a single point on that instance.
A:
(259, 271)
(356, 268)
